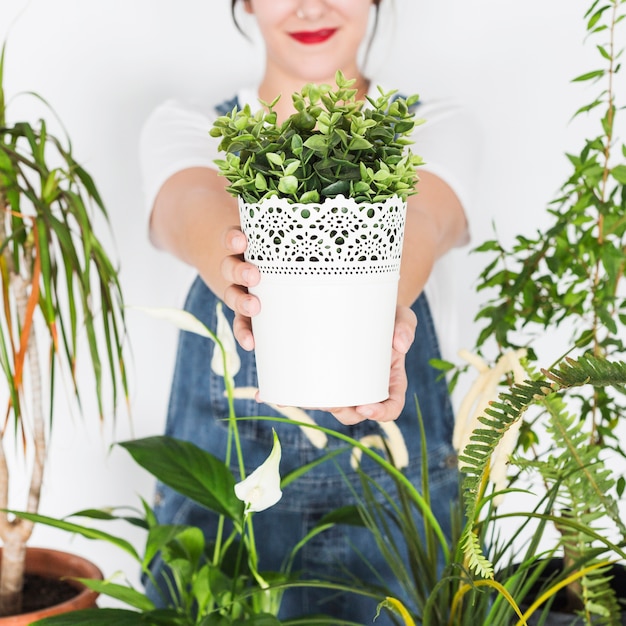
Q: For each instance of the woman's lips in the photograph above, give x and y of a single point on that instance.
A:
(313, 36)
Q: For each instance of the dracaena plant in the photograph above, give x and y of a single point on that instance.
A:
(59, 289)
(332, 145)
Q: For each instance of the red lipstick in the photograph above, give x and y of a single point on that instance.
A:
(313, 36)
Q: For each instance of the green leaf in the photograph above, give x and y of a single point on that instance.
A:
(276, 159)
(310, 196)
(84, 531)
(109, 515)
(96, 617)
(259, 182)
(128, 595)
(316, 143)
(589, 76)
(349, 515)
(260, 619)
(359, 143)
(336, 188)
(158, 538)
(291, 167)
(189, 470)
(619, 173)
(288, 185)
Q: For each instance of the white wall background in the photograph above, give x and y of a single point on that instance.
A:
(103, 65)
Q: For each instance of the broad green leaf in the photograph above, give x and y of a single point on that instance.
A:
(259, 182)
(336, 188)
(189, 470)
(349, 514)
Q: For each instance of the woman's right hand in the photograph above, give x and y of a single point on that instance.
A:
(240, 275)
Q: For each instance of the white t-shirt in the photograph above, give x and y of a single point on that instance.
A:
(176, 136)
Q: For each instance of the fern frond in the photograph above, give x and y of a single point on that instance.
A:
(587, 369)
(476, 560)
(599, 597)
(578, 465)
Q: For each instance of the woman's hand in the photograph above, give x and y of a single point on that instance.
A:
(390, 409)
(240, 275)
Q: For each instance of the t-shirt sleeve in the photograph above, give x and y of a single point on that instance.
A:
(450, 144)
(173, 138)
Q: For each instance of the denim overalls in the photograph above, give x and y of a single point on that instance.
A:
(198, 411)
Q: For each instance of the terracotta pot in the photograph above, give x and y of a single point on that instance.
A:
(56, 564)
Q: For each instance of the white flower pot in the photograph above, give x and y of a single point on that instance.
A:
(328, 290)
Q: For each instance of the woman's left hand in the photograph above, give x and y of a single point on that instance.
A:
(390, 409)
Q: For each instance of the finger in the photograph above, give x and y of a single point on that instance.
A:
(242, 329)
(236, 271)
(404, 329)
(241, 302)
(235, 241)
(391, 408)
(347, 415)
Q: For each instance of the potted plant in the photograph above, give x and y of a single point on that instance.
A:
(322, 199)
(555, 428)
(442, 581)
(566, 282)
(208, 580)
(59, 288)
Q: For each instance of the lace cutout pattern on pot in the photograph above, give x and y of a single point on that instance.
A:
(337, 237)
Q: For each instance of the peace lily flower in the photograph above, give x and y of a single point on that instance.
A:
(188, 322)
(180, 318)
(261, 489)
(227, 339)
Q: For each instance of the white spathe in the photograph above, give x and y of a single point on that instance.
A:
(261, 489)
(180, 318)
(188, 322)
(227, 339)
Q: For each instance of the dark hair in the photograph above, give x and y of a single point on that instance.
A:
(369, 43)
(232, 12)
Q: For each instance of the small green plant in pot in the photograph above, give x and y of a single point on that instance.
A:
(322, 199)
(59, 288)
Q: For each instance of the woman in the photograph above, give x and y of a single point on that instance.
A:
(192, 217)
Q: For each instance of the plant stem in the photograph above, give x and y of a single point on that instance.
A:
(15, 533)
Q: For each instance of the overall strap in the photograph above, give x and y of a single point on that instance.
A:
(224, 108)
